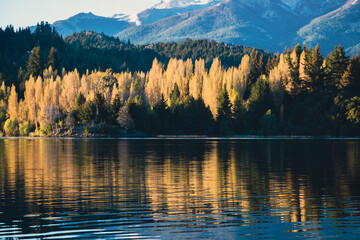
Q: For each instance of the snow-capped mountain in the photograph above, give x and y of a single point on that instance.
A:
(169, 8)
(118, 22)
(267, 24)
(167, 4)
(258, 23)
(89, 21)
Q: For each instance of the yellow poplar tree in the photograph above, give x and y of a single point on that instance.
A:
(69, 90)
(30, 99)
(154, 83)
(39, 93)
(212, 85)
(13, 104)
(196, 81)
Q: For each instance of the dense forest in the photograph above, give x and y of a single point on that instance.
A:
(90, 83)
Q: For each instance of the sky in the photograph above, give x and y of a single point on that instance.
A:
(22, 13)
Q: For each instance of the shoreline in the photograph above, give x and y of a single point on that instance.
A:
(187, 137)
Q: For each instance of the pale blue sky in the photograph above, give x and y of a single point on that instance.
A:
(21, 13)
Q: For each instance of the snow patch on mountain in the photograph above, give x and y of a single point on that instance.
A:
(132, 18)
(167, 4)
(121, 17)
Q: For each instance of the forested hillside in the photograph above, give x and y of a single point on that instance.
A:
(83, 51)
(93, 84)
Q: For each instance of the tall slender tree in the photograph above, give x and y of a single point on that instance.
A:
(351, 77)
(314, 69)
(223, 105)
(336, 64)
(34, 64)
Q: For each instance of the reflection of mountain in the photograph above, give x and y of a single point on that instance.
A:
(205, 182)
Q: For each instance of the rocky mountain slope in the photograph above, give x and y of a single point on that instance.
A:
(268, 24)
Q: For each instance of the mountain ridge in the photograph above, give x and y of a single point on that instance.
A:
(259, 23)
(268, 24)
(89, 21)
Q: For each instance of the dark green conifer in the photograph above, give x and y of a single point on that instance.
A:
(314, 69)
(223, 105)
(34, 65)
(52, 59)
(336, 64)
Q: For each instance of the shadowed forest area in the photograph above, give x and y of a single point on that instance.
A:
(90, 84)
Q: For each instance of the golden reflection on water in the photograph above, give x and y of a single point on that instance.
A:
(228, 180)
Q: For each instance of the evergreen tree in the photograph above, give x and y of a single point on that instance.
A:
(239, 117)
(259, 101)
(34, 65)
(203, 117)
(351, 77)
(161, 109)
(294, 66)
(336, 65)
(223, 106)
(87, 112)
(101, 108)
(314, 69)
(80, 100)
(52, 59)
(258, 65)
(175, 95)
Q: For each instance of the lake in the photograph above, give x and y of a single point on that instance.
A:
(179, 188)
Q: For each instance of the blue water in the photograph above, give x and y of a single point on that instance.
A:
(179, 189)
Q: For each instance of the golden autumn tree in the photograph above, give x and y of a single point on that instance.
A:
(12, 109)
(196, 81)
(212, 85)
(69, 90)
(154, 83)
(30, 99)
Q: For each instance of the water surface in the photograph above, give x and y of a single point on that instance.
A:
(166, 189)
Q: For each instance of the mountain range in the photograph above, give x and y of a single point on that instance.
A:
(268, 24)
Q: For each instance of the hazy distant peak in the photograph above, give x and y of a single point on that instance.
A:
(84, 15)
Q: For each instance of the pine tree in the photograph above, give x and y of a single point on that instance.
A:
(336, 65)
(80, 100)
(239, 116)
(294, 66)
(175, 95)
(161, 106)
(34, 65)
(223, 106)
(314, 69)
(258, 65)
(351, 77)
(52, 59)
(259, 101)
